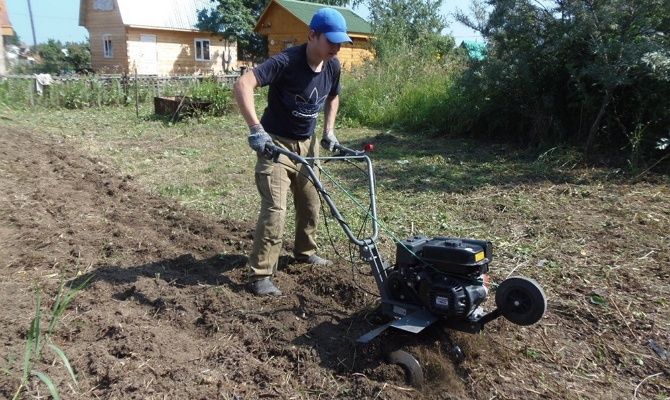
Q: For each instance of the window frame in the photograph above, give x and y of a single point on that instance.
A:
(107, 50)
(202, 49)
(103, 5)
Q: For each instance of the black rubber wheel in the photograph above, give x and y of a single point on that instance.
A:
(457, 354)
(410, 364)
(521, 300)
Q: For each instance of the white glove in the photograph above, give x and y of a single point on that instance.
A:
(258, 137)
(328, 141)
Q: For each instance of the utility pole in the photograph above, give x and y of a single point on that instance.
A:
(32, 25)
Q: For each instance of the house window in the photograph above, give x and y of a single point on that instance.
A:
(202, 50)
(107, 46)
(103, 5)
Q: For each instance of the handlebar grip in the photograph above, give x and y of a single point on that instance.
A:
(270, 151)
(345, 151)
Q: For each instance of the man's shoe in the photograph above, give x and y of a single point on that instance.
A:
(314, 260)
(263, 287)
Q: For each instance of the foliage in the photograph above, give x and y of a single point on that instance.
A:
(35, 339)
(400, 24)
(235, 20)
(219, 95)
(92, 91)
(409, 83)
(52, 57)
(78, 57)
(56, 58)
(14, 40)
(408, 92)
(592, 73)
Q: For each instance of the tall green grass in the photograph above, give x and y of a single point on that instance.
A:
(86, 92)
(408, 92)
(71, 94)
(35, 340)
(221, 96)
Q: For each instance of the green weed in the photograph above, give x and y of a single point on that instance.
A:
(35, 339)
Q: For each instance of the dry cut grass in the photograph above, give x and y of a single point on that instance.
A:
(597, 241)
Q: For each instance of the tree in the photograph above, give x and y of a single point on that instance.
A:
(594, 72)
(405, 24)
(235, 20)
(52, 57)
(56, 58)
(78, 57)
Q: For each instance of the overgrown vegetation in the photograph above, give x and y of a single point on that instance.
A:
(58, 58)
(595, 76)
(85, 92)
(411, 79)
(220, 96)
(571, 74)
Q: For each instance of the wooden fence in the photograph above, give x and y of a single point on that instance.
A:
(98, 90)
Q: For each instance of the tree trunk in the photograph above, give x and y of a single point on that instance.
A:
(596, 123)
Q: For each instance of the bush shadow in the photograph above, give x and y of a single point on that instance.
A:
(431, 162)
(181, 271)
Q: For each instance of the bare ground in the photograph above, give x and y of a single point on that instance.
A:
(165, 314)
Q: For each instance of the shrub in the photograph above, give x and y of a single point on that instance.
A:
(409, 91)
(212, 91)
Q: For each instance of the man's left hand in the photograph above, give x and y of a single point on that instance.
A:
(328, 141)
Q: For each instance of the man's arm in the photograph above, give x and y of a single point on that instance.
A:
(329, 140)
(330, 112)
(244, 95)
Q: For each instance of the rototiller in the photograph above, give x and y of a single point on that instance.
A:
(434, 280)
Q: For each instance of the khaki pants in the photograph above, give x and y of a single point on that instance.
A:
(273, 181)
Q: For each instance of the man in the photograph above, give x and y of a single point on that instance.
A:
(303, 81)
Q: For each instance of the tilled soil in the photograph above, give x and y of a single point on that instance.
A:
(164, 313)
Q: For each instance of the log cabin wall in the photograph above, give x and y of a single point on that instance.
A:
(175, 53)
(166, 48)
(284, 29)
(101, 23)
(355, 54)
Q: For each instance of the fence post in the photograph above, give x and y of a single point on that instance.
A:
(119, 90)
(98, 91)
(124, 84)
(33, 85)
(90, 97)
(137, 97)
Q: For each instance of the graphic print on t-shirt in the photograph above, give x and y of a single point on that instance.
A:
(308, 108)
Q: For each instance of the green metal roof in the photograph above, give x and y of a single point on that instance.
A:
(304, 11)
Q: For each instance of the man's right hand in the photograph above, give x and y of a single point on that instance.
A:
(258, 138)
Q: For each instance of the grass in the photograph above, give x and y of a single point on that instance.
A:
(594, 240)
(35, 340)
(207, 165)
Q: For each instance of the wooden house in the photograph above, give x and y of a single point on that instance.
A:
(6, 31)
(286, 23)
(153, 37)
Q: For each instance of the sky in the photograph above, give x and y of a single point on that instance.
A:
(59, 19)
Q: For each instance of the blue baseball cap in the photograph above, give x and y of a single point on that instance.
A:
(331, 23)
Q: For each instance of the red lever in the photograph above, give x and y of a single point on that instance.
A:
(369, 148)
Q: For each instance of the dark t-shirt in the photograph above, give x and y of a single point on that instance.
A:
(297, 94)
